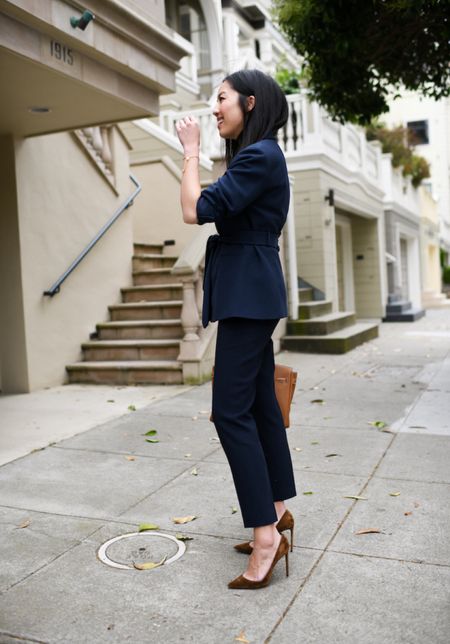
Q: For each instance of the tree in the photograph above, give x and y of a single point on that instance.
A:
(358, 51)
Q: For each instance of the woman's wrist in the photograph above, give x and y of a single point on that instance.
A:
(191, 152)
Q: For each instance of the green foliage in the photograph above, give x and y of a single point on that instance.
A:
(442, 257)
(358, 50)
(446, 275)
(290, 81)
(399, 142)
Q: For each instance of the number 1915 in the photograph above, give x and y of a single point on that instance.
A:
(61, 52)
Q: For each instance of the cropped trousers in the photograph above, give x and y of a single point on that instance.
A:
(248, 419)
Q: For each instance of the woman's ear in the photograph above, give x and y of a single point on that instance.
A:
(250, 103)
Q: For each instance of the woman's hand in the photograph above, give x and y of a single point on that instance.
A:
(188, 131)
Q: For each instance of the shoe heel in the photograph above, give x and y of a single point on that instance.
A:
(287, 563)
(292, 538)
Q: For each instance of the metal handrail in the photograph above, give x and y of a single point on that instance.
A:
(55, 288)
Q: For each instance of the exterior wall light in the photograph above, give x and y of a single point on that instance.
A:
(330, 197)
(82, 23)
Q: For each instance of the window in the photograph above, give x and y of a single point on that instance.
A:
(187, 19)
(419, 132)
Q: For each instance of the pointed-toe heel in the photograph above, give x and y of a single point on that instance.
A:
(285, 523)
(245, 548)
(242, 582)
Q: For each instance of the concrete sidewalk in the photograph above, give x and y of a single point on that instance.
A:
(60, 504)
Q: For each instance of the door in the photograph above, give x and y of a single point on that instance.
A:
(404, 265)
(344, 263)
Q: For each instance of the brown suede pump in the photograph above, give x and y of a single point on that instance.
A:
(286, 522)
(249, 584)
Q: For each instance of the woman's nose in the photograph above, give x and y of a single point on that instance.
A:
(216, 110)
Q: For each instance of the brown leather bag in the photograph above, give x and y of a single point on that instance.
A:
(285, 382)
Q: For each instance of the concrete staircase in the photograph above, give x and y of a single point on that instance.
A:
(319, 330)
(141, 342)
(398, 310)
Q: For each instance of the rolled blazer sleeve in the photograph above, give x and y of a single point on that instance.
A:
(245, 180)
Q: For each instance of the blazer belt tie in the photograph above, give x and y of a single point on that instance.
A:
(243, 237)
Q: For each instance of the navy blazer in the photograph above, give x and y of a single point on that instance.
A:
(249, 206)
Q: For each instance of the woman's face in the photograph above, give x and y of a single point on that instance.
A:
(228, 112)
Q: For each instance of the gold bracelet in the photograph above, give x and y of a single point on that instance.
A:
(186, 159)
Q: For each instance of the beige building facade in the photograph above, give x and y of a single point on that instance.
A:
(59, 187)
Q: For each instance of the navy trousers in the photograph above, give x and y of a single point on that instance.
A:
(248, 418)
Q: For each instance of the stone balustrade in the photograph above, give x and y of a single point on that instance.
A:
(309, 129)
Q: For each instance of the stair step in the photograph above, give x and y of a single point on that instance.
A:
(338, 342)
(322, 325)
(140, 372)
(152, 292)
(107, 350)
(146, 310)
(399, 307)
(409, 315)
(152, 276)
(146, 249)
(392, 299)
(143, 262)
(305, 294)
(308, 310)
(140, 330)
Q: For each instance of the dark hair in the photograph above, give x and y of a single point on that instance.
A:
(269, 114)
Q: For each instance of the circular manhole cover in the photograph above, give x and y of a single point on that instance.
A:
(140, 547)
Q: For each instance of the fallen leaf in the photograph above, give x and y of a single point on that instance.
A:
(130, 458)
(151, 440)
(233, 510)
(187, 455)
(297, 449)
(330, 455)
(394, 493)
(204, 411)
(241, 638)
(214, 439)
(131, 408)
(149, 565)
(25, 523)
(183, 537)
(417, 427)
(352, 496)
(184, 519)
(314, 442)
(368, 531)
(318, 401)
(151, 432)
(377, 423)
(110, 401)
(194, 472)
(407, 513)
(309, 492)
(147, 526)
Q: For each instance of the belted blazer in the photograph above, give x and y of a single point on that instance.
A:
(248, 205)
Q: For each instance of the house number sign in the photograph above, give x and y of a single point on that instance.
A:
(61, 52)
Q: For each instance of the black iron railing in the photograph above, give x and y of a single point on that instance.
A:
(55, 288)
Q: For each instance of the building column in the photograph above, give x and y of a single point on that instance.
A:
(13, 346)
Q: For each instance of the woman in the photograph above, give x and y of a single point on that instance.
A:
(244, 290)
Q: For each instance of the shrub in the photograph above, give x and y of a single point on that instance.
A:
(399, 141)
(446, 275)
